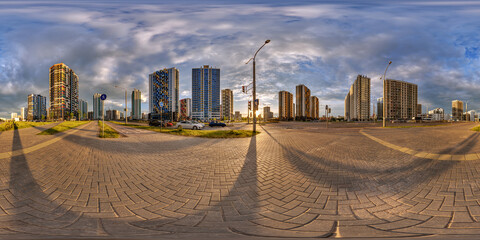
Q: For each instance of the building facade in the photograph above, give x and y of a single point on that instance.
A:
(357, 101)
(97, 106)
(267, 114)
(206, 93)
(63, 92)
(164, 93)
(82, 109)
(227, 104)
(238, 116)
(437, 114)
(285, 106)
(136, 104)
(380, 108)
(186, 109)
(419, 109)
(457, 110)
(314, 108)
(302, 102)
(37, 107)
(400, 100)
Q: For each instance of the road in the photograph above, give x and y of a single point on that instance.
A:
(290, 181)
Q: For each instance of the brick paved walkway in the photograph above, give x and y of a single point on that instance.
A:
(302, 182)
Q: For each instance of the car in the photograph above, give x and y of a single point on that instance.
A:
(197, 122)
(169, 124)
(156, 123)
(188, 125)
(217, 124)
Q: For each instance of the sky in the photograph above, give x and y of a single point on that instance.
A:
(322, 44)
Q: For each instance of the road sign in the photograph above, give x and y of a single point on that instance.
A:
(103, 97)
(161, 104)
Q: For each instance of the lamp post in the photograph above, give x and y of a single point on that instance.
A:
(384, 102)
(254, 102)
(126, 108)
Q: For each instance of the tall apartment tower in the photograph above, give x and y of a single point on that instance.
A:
(63, 91)
(37, 107)
(380, 108)
(314, 107)
(285, 106)
(400, 99)
(97, 106)
(357, 101)
(303, 102)
(136, 104)
(206, 93)
(419, 109)
(82, 109)
(227, 104)
(186, 108)
(457, 110)
(163, 89)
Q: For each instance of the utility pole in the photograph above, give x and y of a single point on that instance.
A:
(384, 102)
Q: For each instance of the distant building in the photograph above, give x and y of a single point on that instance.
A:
(37, 107)
(238, 116)
(83, 109)
(206, 93)
(90, 115)
(419, 109)
(438, 114)
(186, 108)
(227, 104)
(14, 116)
(164, 93)
(267, 114)
(314, 107)
(63, 91)
(303, 102)
(400, 99)
(471, 116)
(136, 104)
(457, 110)
(285, 106)
(380, 108)
(113, 115)
(357, 101)
(98, 109)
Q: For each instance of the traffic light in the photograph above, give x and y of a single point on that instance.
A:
(249, 105)
(244, 89)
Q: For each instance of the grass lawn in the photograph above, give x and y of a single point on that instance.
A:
(109, 131)
(19, 125)
(477, 128)
(197, 133)
(64, 126)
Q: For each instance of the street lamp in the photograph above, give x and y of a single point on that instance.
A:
(384, 102)
(254, 87)
(126, 108)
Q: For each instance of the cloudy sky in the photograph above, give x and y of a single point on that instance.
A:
(323, 45)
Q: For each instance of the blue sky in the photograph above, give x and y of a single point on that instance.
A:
(322, 44)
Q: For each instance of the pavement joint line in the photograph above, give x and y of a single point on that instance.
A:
(39, 146)
(426, 155)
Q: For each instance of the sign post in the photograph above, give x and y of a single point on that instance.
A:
(161, 115)
(103, 97)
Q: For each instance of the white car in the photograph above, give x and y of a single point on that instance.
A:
(197, 122)
(189, 125)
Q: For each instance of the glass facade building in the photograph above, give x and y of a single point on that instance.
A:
(37, 107)
(136, 104)
(206, 93)
(97, 106)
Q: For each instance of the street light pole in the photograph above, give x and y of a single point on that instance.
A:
(384, 102)
(126, 108)
(255, 87)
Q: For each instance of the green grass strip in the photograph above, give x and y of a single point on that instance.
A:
(19, 125)
(197, 133)
(108, 132)
(477, 128)
(64, 126)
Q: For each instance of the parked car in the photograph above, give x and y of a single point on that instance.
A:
(169, 124)
(156, 123)
(189, 125)
(197, 122)
(217, 124)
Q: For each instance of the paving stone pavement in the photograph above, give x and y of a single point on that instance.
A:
(303, 182)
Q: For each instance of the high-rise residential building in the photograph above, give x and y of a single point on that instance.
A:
(314, 107)
(358, 106)
(164, 93)
(267, 114)
(37, 107)
(303, 102)
(22, 113)
(136, 104)
(90, 115)
(227, 104)
(186, 108)
(400, 99)
(206, 93)
(457, 110)
(113, 115)
(238, 116)
(82, 109)
(285, 106)
(438, 114)
(97, 106)
(380, 108)
(63, 91)
(14, 116)
(419, 109)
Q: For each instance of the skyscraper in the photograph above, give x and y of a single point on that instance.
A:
(314, 107)
(97, 106)
(83, 109)
(285, 106)
(227, 104)
(163, 89)
(400, 99)
(186, 108)
(267, 115)
(358, 106)
(206, 93)
(37, 107)
(63, 91)
(380, 108)
(457, 110)
(303, 102)
(136, 104)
